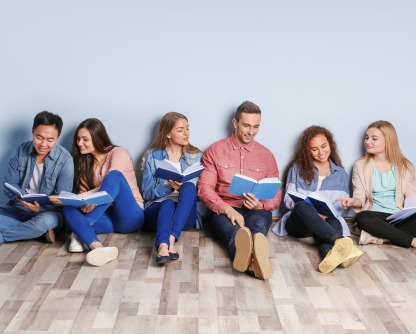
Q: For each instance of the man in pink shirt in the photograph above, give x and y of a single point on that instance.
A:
(241, 223)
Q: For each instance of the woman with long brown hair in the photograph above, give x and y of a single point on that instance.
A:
(100, 165)
(316, 166)
(170, 206)
(382, 180)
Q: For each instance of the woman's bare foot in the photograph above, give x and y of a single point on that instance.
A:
(163, 249)
(95, 245)
(172, 240)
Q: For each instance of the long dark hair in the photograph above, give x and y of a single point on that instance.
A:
(84, 163)
(165, 126)
(302, 157)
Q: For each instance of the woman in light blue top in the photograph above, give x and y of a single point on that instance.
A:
(170, 206)
(316, 166)
(383, 180)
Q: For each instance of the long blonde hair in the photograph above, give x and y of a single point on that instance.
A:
(393, 152)
(165, 126)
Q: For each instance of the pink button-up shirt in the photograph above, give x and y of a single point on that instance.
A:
(227, 157)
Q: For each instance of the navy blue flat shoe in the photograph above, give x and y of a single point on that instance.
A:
(173, 256)
(163, 259)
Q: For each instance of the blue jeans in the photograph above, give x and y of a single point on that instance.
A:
(305, 222)
(18, 223)
(124, 216)
(258, 221)
(169, 218)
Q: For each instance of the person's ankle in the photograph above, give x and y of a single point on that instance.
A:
(96, 245)
(163, 249)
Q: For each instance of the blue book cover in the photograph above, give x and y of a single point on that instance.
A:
(318, 199)
(42, 199)
(264, 189)
(98, 198)
(167, 171)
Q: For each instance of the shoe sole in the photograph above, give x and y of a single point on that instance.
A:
(261, 255)
(101, 256)
(355, 255)
(243, 247)
(340, 252)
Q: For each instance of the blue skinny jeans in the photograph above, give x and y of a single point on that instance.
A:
(258, 221)
(169, 218)
(305, 222)
(124, 216)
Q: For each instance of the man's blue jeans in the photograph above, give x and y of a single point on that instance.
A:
(124, 216)
(18, 223)
(305, 222)
(169, 218)
(258, 221)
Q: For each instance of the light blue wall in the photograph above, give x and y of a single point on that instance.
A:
(341, 64)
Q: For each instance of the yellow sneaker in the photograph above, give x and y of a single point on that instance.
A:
(338, 254)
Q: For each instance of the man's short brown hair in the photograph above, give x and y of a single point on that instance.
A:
(248, 107)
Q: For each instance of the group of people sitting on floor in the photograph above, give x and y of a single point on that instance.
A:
(382, 180)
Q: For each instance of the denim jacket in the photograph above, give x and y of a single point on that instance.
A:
(335, 185)
(57, 175)
(154, 188)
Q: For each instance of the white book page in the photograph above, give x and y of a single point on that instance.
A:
(8, 185)
(270, 180)
(97, 194)
(166, 164)
(295, 193)
(193, 168)
(68, 195)
(323, 196)
(410, 202)
(245, 177)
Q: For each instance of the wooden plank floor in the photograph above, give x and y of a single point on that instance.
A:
(44, 289)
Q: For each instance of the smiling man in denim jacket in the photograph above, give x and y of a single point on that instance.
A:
(241, 223)
(37, 166)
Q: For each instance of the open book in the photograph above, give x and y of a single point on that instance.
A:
(264, 189)
(98, 198)
(408, 210)
(168, 171)
(318, 199)
(42, 199)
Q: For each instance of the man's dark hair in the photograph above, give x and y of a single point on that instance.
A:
(248, 107)
(47, 118)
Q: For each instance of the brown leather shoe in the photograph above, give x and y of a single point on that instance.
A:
(50, 236)
(261, 265)
(243, 249)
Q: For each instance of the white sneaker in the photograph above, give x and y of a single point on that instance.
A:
(76, 245)
(367, 238)
(100, 256)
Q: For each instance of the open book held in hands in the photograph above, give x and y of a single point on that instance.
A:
(318, 199)
(168, 171)
(42, 199)
(408, 210)
(264, 189)
(98, 198)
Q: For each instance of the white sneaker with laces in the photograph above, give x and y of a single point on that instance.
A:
(100, 256)
(76, 245)
(367, 238)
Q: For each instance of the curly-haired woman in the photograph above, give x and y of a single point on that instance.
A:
(316, 166)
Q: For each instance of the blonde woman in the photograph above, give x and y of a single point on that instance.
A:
(170, 206)
(382, 180)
